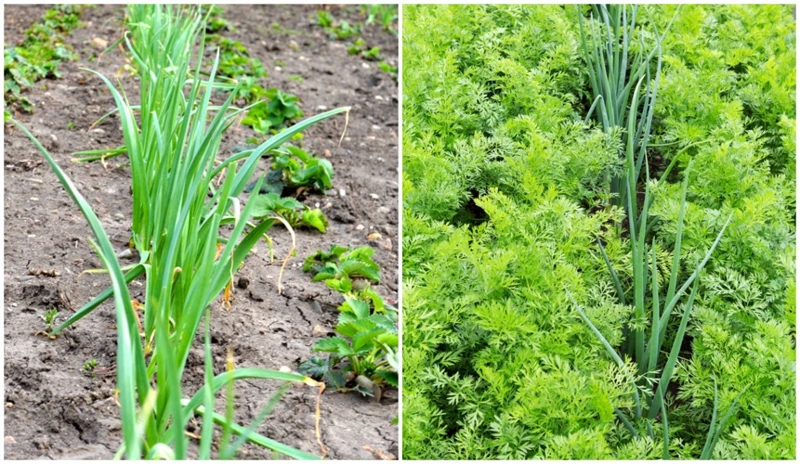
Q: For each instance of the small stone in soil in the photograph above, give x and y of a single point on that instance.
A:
(343, 216)
(360, 227)
(383, 210)
(100, 43)
(387, 245)
(374, 196)
(256, 295)
(42, 443)
(126, 253)
(318, 330)
(342, 193)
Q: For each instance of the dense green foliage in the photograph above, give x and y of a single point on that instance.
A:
(507, 192)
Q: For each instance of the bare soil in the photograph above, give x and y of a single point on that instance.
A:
(56, 410)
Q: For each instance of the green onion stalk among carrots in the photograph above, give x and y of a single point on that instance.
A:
(606, 52)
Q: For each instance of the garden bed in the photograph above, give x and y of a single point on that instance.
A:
(543, 315)
(54, 408)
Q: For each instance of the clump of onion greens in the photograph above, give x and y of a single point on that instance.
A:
(183, 200)
(621, 89)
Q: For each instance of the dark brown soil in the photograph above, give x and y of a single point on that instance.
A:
(55, 410)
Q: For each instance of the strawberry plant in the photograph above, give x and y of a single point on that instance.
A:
(270, 110)
(292, 168)
(235, 62)
(300, 168)
(343, 269)
(294, 212)
(367, 338)
(274, 113)
(215, 22)
(324, 18)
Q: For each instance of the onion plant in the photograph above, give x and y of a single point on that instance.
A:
(192, 233)
(154, 411)
(643, 344)
(612, 83)
(607, 53)
(173, 156)
(159, 37)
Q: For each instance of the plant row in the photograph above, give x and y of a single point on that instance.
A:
(192, 233)
(38, 56)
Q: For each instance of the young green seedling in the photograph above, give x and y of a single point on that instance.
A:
(88, 366)
(49, 318)
(385, 15)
